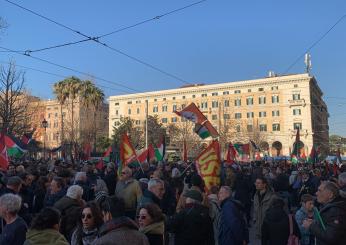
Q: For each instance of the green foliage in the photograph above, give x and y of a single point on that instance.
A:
(103, 143)
(127, 126)
(155, 130)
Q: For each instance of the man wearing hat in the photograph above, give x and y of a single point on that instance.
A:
(192, 225)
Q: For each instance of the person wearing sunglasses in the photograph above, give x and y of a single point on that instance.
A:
(130, 191)
(151, 223)
(87, 229)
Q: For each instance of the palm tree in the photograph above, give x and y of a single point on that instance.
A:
(92, 96)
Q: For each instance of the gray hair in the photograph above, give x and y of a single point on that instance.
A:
(153, 182)
(342, 179)
(11, 203)
(80, 176)
(332, 187)
(75, 192)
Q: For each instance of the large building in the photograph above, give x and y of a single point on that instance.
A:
(80, 128)
(267, 110)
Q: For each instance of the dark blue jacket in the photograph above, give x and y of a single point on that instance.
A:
(233, 229)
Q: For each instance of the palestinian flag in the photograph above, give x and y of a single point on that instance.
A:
(294, 159)
(14, 147)
(127, 153)
(202, 126)
(313, 157)
(151, 153)
(297, 146)
(26, 138)
(143, 157)
(105, 158)
(160, 150)
(3, 153)
(208, 165)
(231, 154)
(243, 151)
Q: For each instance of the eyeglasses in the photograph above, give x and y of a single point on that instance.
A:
(141, 217)
(87, 216)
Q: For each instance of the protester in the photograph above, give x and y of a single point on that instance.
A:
(45, 229)
(56, 191)
(90, 222)
(88, 190)
(39, 193)
(330, 228)
(70, 207)
(276, 225)
(233, 228)
(262, 202)
(14, 231)
(305, 212)
(214, 211)
(110, 177)
(151, 223)
(153, 194)
(129, 190)
(117, 228)
(342, 184)
(192, 225)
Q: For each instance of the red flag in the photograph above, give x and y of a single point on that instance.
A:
(185, 152)
(100, 165)
(143, 157)
(151, 153)
(231, 154)
(127, 152)
(335, 169)
(3, 153)
(87, 151)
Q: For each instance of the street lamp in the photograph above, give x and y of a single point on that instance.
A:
(44, 125)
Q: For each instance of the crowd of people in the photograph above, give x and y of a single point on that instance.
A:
(54, 202)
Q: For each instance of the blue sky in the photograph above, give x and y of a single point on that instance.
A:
(215, 41)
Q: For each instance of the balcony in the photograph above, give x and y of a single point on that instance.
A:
(300, 102)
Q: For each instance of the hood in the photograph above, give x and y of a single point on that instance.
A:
(43, 237)
(155, 228)
(338, 202)
(275, 215)
(117, 223)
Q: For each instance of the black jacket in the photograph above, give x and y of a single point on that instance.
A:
(333, 215)
(275, 227)
(192, 226)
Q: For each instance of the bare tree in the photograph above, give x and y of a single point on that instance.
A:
(15, 113)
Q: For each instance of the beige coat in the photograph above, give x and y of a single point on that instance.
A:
(130, 191)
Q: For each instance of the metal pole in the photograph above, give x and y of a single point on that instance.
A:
(44, 143)
(146, 124)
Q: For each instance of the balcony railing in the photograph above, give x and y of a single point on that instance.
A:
(300, 102)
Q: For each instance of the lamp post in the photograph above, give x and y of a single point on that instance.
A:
(44, 125)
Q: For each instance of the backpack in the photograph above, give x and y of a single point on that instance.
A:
(292, 239)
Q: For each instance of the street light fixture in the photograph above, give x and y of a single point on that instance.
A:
(45, 126)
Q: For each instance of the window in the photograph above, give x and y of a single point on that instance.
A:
(275, 88)
(213, 117)
(226, 116)
(249, 128)
(297, 112)
(48, 115)
(237, 115)
(214, 104)
(184, 97)
(173, 119)
(164, 108)
(116, 112)
(56, 124)
(137, 110)
(129, 102)
(249, 90)
(250, 115)
(295, 85)
(260, 89)
(237, 128)
(155, 108)
(174, 107)
(275, 99)
(183, 106)
(155, 100)
(249, 101)
(204, 105)
(138, 122)
(164, 99)
(226, 103)
(263, 127)
(204, 95)
(261, 100)
(237, 102)
(237, 91)
(214, 94)
(262, 114)
(164, 120)
(225, 92)
(296, 96)
(193, 96)
(276, 113)
(173, 98)
(129, 111)
(276, 127)
(56, 115)
(138, 101)
(116, 103)
(297, 125)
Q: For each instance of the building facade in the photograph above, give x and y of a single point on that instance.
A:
(267, 110)
(62, 126)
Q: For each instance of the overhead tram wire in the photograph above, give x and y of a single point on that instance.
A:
(57, 75)
(315, 43)
(74, 70)
(96, 39)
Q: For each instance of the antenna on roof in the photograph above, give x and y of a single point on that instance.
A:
(307, 62)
